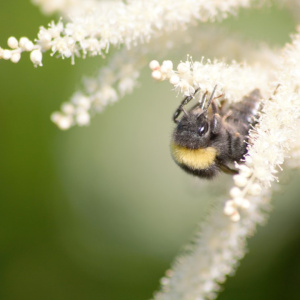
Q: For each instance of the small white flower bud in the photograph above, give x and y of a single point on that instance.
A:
(164, 70)
(249, 160)
(239, 201)
(167, 64)
(235, 217)
(229, 210)
(255, 189)
(6, 54)
(174, 79)
(64, 122)
(240, 180)
(183, 68)
(28, 46)
(15, 57)
(68, 108)
(229, 203)
(83, 118)
(245, 204)
(154, 65)
(23, 41)
(84, 103)
(55, 117)
(235, 192)
(12, 42)
(36, 57)
(164, 280)
(156, 75)
(245, 171)
(208, 285)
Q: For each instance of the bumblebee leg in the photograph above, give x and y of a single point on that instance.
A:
(238, 146)
(227, 170)
(216, 124)
(184, 102)
(228, 114)
(216, 120)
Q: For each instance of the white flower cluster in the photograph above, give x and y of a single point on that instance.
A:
(115, 80)
(246, 186)
(214, 255)
(17, 47)
(293, 160)
(95, 25)
(120, 76)
(233, 80)
(216, 251)
(274, 138)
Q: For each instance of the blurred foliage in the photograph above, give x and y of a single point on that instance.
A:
(100, 212)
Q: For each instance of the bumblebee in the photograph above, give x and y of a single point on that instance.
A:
(209, 139)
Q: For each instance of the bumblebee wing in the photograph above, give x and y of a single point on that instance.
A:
(227, 170)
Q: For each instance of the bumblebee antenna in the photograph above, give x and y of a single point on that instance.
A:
(202, 103)
(211, 98)
(185, 112)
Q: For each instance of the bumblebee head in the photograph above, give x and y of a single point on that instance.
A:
(193, 130)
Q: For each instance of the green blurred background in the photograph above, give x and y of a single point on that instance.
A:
(100, 212)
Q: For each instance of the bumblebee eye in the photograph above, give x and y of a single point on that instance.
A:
(203, 129)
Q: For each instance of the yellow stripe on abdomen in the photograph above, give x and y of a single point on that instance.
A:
(195, 159)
